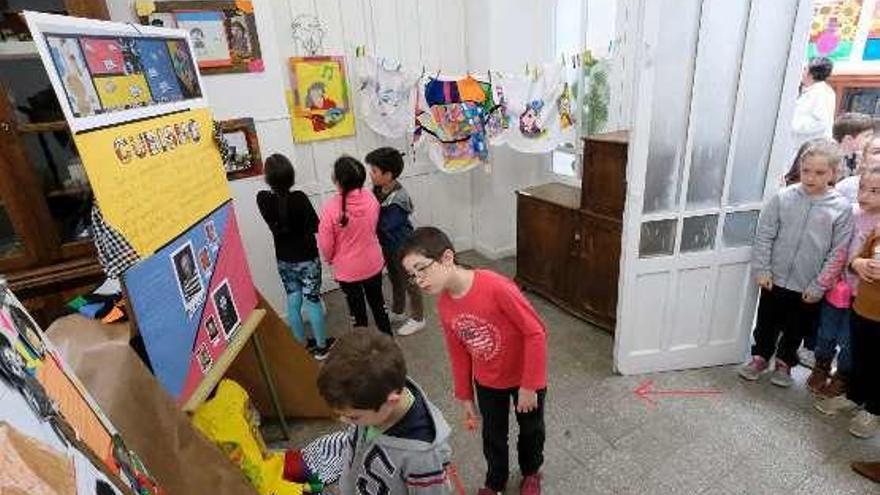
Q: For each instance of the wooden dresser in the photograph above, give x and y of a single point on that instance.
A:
(568, 243)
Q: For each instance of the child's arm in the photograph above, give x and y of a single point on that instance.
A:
(426, 473)
(392, 219)
(312, 221)
(324, 457)
(462, 366)
(326, 236)
(768, 228)
(525, 319)
(835, 259)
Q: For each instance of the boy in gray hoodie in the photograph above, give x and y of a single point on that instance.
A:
(800, 247)
(397, 440)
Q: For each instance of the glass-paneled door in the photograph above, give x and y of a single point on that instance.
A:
(715, 90)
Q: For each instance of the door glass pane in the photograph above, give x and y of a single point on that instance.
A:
(763, 71)
(657, 239)
(739, 228)
(722, 34)
(673, 63)
(29, 90)
(63, 180)
(9, 241)
(698, 233)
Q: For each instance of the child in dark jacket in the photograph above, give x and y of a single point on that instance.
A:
(386, 165)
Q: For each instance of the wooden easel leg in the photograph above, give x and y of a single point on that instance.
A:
(270, 384)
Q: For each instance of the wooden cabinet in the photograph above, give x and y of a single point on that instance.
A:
(857, 93)
(46, 252)
(568, 243)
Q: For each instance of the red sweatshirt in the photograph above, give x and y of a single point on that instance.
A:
(493, 336)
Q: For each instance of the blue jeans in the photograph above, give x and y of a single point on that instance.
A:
(833, 333)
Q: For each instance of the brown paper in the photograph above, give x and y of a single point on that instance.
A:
(151, 424)
(27, 466)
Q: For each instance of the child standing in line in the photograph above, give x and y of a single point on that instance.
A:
(386, 165)
(864, 341)
(497, 345)
(347, 241)
(293, 222)
(800, 244)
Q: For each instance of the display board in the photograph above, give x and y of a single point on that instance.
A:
(53, 436)
(189, 323)
(155, 178)
(107, 73)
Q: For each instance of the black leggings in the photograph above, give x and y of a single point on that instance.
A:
(371, 289)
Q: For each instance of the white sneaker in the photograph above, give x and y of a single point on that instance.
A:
(397, 317)
(864, 424)
(806, 357)
(411, 327)
(834, 405)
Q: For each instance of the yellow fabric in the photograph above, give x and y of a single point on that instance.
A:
(226, 420)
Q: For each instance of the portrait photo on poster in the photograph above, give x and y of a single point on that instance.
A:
(211, 231)
(205, 260)
(188, 280)
(211, 328)
(226, 310)
(203, 355)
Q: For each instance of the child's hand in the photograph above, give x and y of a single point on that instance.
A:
(867, 269)
(764, 282)
(471, 420)
(810, 299)
(528, 401)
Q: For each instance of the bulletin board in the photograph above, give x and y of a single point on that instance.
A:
(189, 323)
(155, 178)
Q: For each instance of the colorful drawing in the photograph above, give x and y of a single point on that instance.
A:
(156, 63)
(321, 108)
(182, 62)
(103, 55)
(207, 30)
(74, 75)
(120, 92)
(240, 37)
(872, 43)
(529, 120)
(833, 29)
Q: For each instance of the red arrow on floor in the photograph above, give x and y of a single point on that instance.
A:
(645, 391)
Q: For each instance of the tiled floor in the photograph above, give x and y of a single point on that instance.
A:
(601, 439)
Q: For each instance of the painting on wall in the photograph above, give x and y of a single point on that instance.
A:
(833, 29)
(240, 149)
(223, 32)
(872, 42)
(320, 106)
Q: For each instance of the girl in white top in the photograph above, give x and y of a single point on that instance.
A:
(815, 107)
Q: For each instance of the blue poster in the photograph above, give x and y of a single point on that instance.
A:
(157, 68)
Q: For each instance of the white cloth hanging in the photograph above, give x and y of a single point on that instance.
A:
(385, 94)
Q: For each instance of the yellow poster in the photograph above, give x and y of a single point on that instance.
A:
(122, 91)
(320, 108)
(155, 178)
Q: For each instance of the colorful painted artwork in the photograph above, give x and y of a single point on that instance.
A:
(184, 69)
(121, 92)
(207, 31)
(872, 43)
(320, 107)
(202, 310)
(160, 74)
(834, 27)
(74, 75)
(103, 55)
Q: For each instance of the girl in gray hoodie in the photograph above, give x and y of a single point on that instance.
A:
(800, 246)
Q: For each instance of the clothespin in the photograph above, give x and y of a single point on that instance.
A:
(423, 73)
(527, 68)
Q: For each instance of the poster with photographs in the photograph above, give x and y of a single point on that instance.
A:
(188, 280)
(74, 75)
(212, 329)
(203, 356)
(226, 310)
(240, 149)
(207, 30)
(223, 32)
(108, 73)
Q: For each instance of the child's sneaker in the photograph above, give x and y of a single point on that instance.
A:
(397, 317)
(835, 387)
(531, 485)
(835, 405)
(753, 370)
(806, 357)
(818, 378)
(410, 327)
(311, 344)
(864, 424)
(320, 353)
(487, 491)
(781, 376)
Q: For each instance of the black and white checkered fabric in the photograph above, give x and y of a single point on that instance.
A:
(115, 254)
(323, 457)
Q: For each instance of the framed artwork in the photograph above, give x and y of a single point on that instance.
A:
(242, 157)
(74, 75)
(320, 106)
(833, 28)
(872, 42)
(224, 32)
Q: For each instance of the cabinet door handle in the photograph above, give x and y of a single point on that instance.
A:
(5, 127)
(577, 236)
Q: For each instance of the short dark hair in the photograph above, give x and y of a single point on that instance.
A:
(851, 124)
(820, 68)
(361, 370)
(280, 175)
(386, 159)
(429, 242)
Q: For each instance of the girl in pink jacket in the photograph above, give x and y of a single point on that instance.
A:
(348, 242)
